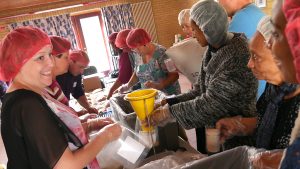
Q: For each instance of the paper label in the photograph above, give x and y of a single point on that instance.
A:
(131, 150)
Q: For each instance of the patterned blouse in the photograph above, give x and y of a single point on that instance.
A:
(286, 116)
(155, 70)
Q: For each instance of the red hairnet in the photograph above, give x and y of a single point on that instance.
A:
(79, 56)
(60, 45)
(137, 37)
(291, 9)
(121, 39)
(17, 47)
(112, 37)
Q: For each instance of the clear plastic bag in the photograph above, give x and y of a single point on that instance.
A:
(242, 157)
(170, 159)
(127, 151)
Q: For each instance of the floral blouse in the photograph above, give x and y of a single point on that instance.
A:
(155, 70)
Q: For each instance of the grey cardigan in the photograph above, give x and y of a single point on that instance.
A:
(225, 87)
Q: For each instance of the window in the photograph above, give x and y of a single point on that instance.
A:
(90, 34)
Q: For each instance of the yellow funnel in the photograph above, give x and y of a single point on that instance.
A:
(142, 102)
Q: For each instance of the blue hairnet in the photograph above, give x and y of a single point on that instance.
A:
(212, 20)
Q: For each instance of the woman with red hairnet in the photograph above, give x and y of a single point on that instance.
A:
(32, 130)
(125, 69)
(157, 70)
(60, 52)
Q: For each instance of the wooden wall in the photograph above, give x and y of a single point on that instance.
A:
(165, 16)
(268, 9)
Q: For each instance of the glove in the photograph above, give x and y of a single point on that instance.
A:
(160, 116)
(122, 89)
(230, 127)
(266, 159)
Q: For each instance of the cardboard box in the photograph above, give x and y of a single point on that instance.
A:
(91, 83)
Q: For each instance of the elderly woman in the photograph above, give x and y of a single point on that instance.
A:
(125, 68)
(156, 70)
(33, 134)
(187, 54)
(184, 22)
(285, 46)
(225, 87)
(276, 113)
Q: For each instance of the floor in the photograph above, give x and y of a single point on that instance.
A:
(185, 86)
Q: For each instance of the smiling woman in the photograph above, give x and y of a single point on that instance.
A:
(26, 61)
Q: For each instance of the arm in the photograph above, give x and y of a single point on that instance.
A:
(114, 87)
(236, 126)
(231, 90)
(82, 100)
(133, 80)
(171, 78)
(81, 157)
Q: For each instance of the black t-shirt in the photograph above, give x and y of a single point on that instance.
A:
(71, 85)
(32, 134)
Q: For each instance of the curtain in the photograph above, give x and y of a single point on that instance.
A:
(55, 25)
(117, 18)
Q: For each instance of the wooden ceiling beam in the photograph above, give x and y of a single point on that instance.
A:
(42, 5)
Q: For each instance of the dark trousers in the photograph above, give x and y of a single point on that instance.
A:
(201, 140)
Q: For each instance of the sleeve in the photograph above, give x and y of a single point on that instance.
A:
(192, 94)
(228, 92)
(78, 90)
(43, 137)
(161, 61)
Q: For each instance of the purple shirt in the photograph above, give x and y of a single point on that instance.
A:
(125, 69)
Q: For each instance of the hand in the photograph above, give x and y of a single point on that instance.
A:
(160, 115)
(82, 112)
(98, 123)
(85, 117)
(110, 132)
(151, 84)
(230, 127)
(267, 159)
(157, 104)
(123, 88)
(92, 110)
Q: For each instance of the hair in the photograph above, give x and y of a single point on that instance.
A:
(17, 47)
(184, 17)
(137, 37)
(60, 45)
(79, 56)
(121, 39)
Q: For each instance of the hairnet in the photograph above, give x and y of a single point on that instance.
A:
(264, 27)
(184, 17)
(17, 47)
(60, 45)
(137, 37)
(291, 9)
(79, 56)
(212, 20)
(121, 39)
(112, 37)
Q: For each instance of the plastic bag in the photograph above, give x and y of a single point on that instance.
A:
(171, 159)
(242, 157)
(127, 151)
(187, 56)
